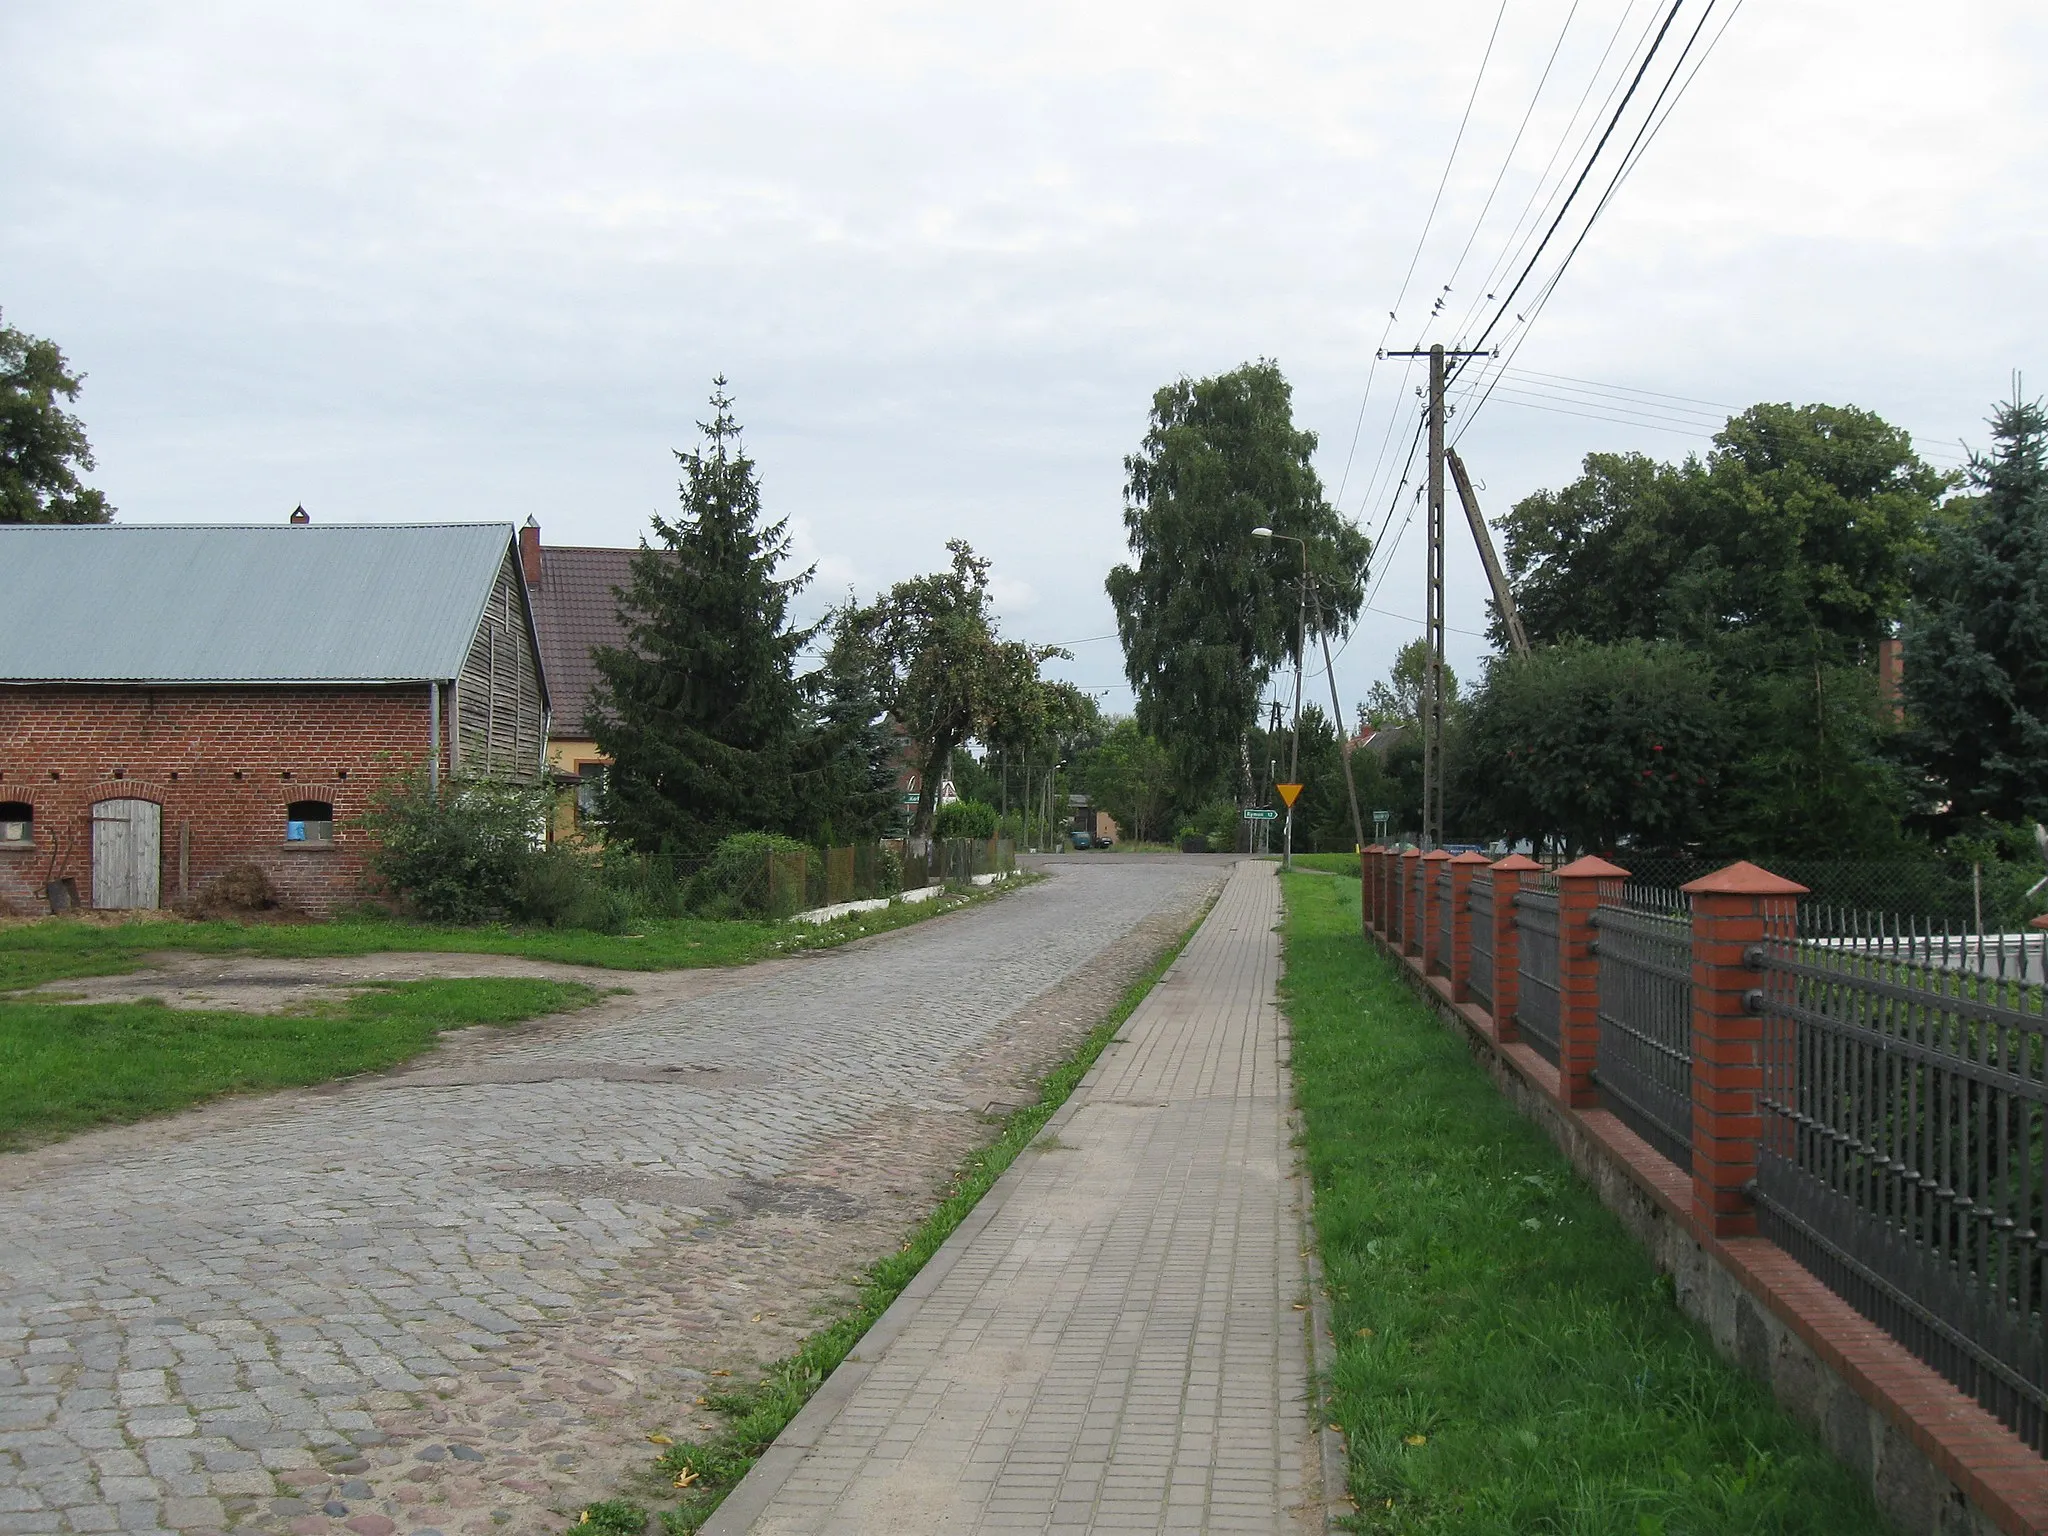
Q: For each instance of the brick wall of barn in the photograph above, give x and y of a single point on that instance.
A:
(223, 763)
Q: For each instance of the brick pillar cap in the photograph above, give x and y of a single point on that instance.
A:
(1437, 856)
(1411, 853)
(1743, 878)
(1592, 867)
(1517, 864)
(2038, 922)
(1375, 847)
(1469, 857)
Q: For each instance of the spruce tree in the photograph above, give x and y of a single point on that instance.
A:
(700, 710)
(1976, 642)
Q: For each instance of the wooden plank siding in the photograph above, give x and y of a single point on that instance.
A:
(500, 717)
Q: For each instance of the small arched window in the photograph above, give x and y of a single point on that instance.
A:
(17, 823)
(309, 821)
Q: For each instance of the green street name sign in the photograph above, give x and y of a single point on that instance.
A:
(1255, 814)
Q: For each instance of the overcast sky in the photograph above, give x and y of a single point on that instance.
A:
(410, 262)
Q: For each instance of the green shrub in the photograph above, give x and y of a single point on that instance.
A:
(736, 880)
(888, 872)
(459, 852)
(553, 884)
(965, 818)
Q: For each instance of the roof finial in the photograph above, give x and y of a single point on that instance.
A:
(300, 517)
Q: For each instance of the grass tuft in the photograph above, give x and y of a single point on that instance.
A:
(1507, 1358)
(66, 1067)
(59, 949)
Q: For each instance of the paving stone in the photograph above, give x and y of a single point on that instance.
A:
(1073, 1349)
(615, 1203)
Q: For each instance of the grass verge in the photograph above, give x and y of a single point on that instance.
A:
(700, 1473)
(57, 949)
(1507, 1358)
(65, 1068)
(1328, 863)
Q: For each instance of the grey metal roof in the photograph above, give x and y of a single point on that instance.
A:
(184, 603)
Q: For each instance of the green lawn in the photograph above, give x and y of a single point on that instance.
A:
(1507, 1358)
(1329, 863)
(66, 1067)
(60, 948)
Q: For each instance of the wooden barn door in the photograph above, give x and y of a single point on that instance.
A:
(127, 843)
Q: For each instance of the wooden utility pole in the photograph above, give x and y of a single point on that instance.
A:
(1510, 618)
(1432, 702)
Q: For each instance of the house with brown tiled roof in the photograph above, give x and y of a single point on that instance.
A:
(576, 610)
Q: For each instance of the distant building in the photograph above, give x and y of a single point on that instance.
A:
(179, 700)
(575, 605)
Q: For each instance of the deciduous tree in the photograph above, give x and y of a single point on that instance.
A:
(1205, 611)
(43, 447)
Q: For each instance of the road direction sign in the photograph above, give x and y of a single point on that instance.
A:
(1288, 792)
(1255, 813)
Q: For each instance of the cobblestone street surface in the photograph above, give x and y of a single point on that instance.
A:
(1116, 1339)
(457, 1298)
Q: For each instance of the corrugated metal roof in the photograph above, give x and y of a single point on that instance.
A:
(184, 603)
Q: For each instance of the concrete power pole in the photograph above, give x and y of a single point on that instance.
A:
(1432, 701)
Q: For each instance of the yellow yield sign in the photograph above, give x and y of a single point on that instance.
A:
(1288, 793)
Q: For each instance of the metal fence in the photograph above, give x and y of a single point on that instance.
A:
(1479, 965)
(1643, 1062)
(1902, 1159)
(1536, 1007)
(1443, 918)
(1413, 897)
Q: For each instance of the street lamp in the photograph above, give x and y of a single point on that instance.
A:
(1336, 709)
(1300, 641)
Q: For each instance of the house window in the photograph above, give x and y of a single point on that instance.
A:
(590, 794)
(309, 821)
(17, 823)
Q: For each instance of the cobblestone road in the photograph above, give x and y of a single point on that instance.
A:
(456, 1298)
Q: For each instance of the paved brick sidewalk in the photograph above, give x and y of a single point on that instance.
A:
(1114, 1342)
(454, 1298)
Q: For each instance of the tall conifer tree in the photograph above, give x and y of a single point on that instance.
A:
(700, 710)
(1976, 644)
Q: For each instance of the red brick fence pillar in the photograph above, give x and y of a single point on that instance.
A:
(1731, 910)
(1579, 887)
(1507, 877)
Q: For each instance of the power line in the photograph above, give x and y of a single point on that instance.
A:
(1613, 122)
(1516, 143)
(1420, 240)
(1517, 241)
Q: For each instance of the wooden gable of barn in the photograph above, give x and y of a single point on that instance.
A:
(500, 705)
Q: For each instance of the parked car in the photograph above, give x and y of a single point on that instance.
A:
(1080, 840)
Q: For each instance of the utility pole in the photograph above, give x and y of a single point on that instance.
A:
(1432, 702)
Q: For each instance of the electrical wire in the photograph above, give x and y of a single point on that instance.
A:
(1420, 241)
(1613, 122)
(1539, 199)
(1516, 143)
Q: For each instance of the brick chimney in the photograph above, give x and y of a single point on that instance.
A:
(299, 517)
(1891, 672)
(529, 553)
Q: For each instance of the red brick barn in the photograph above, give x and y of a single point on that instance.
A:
(175, 701)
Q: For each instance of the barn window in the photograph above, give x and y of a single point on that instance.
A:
(17, 823)
(309, 821)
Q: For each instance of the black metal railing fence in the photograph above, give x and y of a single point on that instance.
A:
(1643, 1062)
(1479, 967)
(1902, 1159)
(1443, 918)
(1536, 1006)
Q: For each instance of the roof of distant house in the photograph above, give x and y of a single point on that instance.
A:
(577, 611)
(267, 603)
